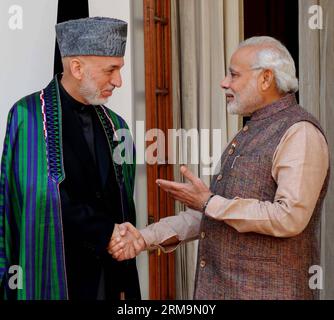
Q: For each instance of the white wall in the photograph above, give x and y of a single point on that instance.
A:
(27, 54)
(138, 64)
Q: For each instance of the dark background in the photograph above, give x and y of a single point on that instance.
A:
(274, 18)
(68, 11)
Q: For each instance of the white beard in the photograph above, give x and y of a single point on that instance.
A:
(246, 104)
(90, 92)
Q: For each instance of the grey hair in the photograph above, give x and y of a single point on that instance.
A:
(273, 55)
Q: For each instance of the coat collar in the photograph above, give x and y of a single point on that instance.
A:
(277, 106)
(51, 111)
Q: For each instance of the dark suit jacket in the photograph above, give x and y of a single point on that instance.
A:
(91, 205)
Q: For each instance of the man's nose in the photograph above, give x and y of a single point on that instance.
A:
(116, 80)
(225, 84)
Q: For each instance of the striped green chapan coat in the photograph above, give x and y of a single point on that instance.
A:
(31, 234)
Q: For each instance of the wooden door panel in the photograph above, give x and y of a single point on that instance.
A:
(159, 116)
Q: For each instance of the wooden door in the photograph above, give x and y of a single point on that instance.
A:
(159, 116)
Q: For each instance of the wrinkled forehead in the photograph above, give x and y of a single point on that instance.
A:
(244, 58)
(103, 61)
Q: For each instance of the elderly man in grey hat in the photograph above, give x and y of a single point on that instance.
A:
(62, 196)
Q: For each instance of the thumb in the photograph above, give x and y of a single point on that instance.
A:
(135, 232)
(122, 229)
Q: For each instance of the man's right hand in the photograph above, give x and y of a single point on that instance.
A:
(127, 244)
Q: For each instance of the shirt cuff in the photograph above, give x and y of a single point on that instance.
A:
(153, 239)
(149, 238)
(216, 207)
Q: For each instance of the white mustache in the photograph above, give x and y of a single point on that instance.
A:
(110, 88)
(229, 93)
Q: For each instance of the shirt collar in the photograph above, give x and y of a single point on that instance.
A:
(70, 101)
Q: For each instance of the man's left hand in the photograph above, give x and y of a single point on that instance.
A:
(194, 194)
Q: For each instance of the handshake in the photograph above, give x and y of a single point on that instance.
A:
(126, 242)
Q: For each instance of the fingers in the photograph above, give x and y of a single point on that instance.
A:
(131, 251)
(128, 244)
(139, 245)
(128, 252)
(165, 184)
(133, 230)
(170, 186)
(124, 254)
(188, 174)
(119, 255)
(122, 229)
(115, 245)
(118, 251)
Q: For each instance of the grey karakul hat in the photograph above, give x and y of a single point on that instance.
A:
(98, 36)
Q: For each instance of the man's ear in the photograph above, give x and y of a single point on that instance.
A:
(267, 79)
(77, 69)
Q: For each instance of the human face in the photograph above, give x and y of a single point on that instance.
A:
(241, 84)
(101, 75)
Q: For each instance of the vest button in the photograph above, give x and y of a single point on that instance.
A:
(220, 177)
(231, 151)
(245, 129)
(202, 263)
(203, 235)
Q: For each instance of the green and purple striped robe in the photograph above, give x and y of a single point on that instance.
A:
(32, 169)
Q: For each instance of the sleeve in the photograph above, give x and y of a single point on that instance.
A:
(4, 195)
(185, 227)
(300, 166)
